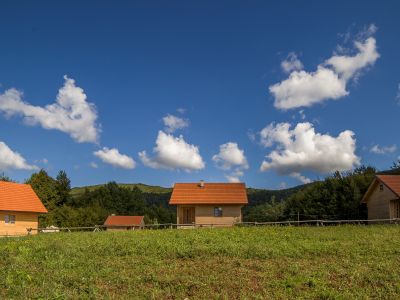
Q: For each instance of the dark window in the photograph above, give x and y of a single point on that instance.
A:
(9, 219)
(381, 187)
(217, 211)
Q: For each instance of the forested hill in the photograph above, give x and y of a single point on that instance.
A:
(77, 191)
(256, 196)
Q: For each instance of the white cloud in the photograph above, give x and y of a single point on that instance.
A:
(93, 165)
(173, 123)
(13, 160)
(231, 157)
(181, 110)
(383, 150)
(348, 66)
(251, 135)
(300, 177)
(398, 94)
(291, 63)
(302, 114)
(114, 158)
(173, 153)
(234, 176)
(71, 113)
(301, 149)
(303, 89)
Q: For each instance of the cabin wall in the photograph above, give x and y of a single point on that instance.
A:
(230, 214)
(23, 220)
(378, 203)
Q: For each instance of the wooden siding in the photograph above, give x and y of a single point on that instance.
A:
(23, 220)
(379, 203)
(204, 214)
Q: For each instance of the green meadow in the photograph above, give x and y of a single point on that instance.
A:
(333, 262)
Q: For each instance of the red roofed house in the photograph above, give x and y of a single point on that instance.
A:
(209, 203)
(383, 197)
(19, 208)
(124, 222)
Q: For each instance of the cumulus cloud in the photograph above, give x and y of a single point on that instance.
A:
(383, 149)
(234, 176)
(349, 66)
(173, 123)
(291, 63)
(71, 113)
(93, 165)
(303, 179)
(173, 153)
(300, 149)
(13, 160)
(303, 89)
(114, 158)
(231, 158)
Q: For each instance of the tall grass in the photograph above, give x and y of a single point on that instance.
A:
(343, 262)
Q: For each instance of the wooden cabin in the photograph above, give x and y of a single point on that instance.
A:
(19, 209)
(114, 223)
(206, 204)
(383, 197)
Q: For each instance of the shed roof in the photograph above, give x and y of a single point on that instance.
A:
(124, 221)
(209, 193)
(19, 197)
(391, 181)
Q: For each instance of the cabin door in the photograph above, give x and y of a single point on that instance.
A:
(396, 209)
(188, 215)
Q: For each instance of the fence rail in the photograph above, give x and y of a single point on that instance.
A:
(241, 224)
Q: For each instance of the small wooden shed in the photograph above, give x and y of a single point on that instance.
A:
(20, 208)
(383, 197)
(206, 204)
(114, 223)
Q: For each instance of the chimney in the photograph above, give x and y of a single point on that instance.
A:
(201, 183)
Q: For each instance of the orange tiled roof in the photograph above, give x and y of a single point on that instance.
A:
(392, 182)
(211, 193)
(124, 221)
(19, 197)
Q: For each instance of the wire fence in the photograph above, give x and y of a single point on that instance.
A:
(98, 228)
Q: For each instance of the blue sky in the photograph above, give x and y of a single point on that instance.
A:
(272, 94)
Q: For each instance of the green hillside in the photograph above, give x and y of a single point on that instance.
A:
(333, 262)
(76, 191)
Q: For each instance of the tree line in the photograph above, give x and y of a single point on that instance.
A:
(92, 207)
(338, 196)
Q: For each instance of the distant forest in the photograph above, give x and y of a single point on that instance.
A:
(336, 197)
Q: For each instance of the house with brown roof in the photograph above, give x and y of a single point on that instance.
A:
(20, 208)
(206, 204)
(114, 223)
(383, 197)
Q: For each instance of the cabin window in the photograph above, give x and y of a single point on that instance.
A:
(381, 187)
(217, 211)
(9, 219)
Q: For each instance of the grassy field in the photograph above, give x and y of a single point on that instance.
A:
(343, 262)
